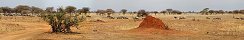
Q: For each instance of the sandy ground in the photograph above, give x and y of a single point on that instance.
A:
(33, 28)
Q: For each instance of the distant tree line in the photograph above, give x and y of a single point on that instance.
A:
(24, 10)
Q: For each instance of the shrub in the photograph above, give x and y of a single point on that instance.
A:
(141, 13)
(61, 22)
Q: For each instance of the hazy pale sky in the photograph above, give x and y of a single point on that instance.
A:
(132, 5)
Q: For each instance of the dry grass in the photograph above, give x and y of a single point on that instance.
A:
(33, 28)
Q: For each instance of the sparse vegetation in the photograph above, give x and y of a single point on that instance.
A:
(155, 12)
(109, 12)
(141, 13)
(107, 23)
(70, 9)
(61, 22)
(205, 11)
(86, 10)
(123, 11)
(49, 10)
(169, 11)
(101, 12)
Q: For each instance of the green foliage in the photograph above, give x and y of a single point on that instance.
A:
(141, 13)
(205, 11)
(70, 9)
(123, 11)
(110, 11)
(21, 8)
(169, 10)
(163, 11)
(85, 9)
(61, 22)
(36, 9)
(60, 10)
(49, 9)
(6, 9)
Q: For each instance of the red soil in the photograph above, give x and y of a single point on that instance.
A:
(151, 25)
(152, 22)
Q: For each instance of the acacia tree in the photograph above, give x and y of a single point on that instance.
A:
(22, 9)
(6, 9)
(49, 10)
(230, 12)
(109, 12)
(85, 10)
(141, 13)
(36, 10)
(221, 12)
(163, 12)
(236, 11)
(211, 12)
(70, 9)
(101, 12)
(79, 11)
(123, 11)
(176, 12)
(205, 11)
(62, 20)
(155, 12)
(169, 10)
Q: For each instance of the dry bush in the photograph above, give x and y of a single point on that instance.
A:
(141, 13)
(61, 22)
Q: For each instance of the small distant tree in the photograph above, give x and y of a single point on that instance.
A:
(230, 12)
(85, 10)
(21, 8)
(123, 11)
(205, 11)
(49, 10)
(169, 10)
(155, 12)
(36, 10)
(70, 9)
(109, 12)
(236, 11)
(163, 12)
(142, 13)
(221, 12)
(6, 9)
(79, 11)
(176, 12)
(101, 12)
(211, 12)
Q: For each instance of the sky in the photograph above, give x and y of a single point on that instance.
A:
(132, 5)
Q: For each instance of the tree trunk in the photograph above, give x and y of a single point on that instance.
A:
(54, 29)
(67, 29)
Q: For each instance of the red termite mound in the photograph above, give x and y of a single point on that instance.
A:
(152, 22)
(152, 25)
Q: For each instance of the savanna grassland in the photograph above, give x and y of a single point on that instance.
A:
(97, 27)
